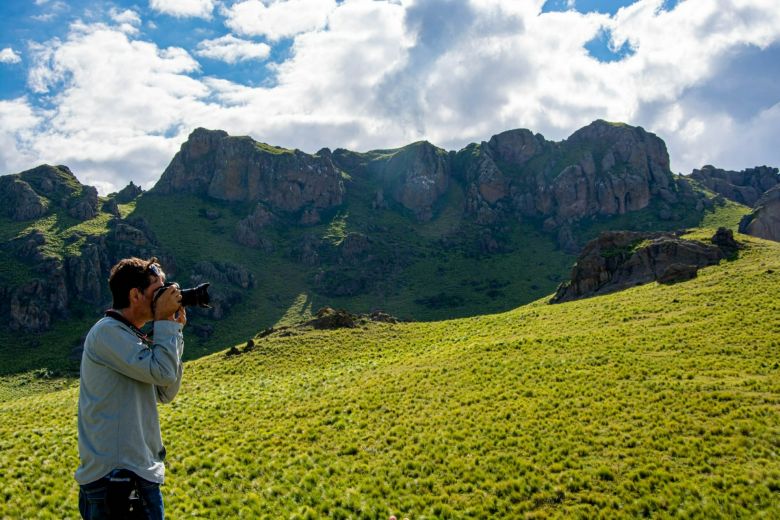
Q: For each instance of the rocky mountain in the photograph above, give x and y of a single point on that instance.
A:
(745, 187)
(764, 221)
(418, 230)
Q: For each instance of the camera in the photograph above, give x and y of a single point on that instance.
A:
(195, 297)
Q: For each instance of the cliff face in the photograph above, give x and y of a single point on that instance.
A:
(764, 221)
(745, 187)
(228, 168)
(602, 169)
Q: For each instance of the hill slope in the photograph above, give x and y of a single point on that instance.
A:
(656, 400)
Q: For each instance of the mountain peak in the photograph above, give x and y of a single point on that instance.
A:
(238, 168)
(31, 193)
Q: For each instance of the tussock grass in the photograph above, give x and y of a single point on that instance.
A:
(655, 401)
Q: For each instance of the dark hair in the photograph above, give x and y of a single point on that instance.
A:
(128, 274)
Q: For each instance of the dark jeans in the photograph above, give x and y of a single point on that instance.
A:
(92, 500)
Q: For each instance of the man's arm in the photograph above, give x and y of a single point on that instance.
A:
(121, 350)
(165, 394)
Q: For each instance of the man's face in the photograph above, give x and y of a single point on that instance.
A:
(148, 293)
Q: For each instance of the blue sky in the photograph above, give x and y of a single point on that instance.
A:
(112, 89)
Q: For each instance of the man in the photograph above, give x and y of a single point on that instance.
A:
(123, 376)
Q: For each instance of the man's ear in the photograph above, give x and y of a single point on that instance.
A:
(135, 294)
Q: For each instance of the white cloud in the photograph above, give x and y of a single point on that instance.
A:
(127, 16)
(54, 10)
(230, 49)
(8, 55)
(375, 74)
(17, 135)
(119, 104)
(184, 8)
(277, 19)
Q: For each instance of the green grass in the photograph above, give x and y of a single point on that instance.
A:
(656, 401)
(273, 150)
(728, 215)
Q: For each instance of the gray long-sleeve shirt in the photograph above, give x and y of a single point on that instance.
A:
(122, 379)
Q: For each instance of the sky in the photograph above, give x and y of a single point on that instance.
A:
(112, 89)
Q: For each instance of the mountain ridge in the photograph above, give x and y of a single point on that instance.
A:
(418, 231)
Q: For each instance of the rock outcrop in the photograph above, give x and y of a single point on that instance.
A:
(128, 193)
(19, 200)
(34, 305)
(228, 168)
(764, 221)
(87, 273)
(603, 169)
(249, 230)
(745, 187)
(33, 193)
(618, 260)
(416, 176)
(85, 206)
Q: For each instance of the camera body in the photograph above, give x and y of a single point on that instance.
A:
(194, 297)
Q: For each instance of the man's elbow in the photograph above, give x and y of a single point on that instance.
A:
(167, 378)
(163, 397)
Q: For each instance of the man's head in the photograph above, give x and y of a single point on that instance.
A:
(133, 281)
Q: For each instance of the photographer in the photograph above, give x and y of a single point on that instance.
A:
(123, 376)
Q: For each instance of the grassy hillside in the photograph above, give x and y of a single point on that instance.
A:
(659, 400)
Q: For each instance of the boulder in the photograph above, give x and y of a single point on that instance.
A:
(29, 246)
(515, 147)
(764, 221)
(329, 318)
(618, 260)
(724, 239)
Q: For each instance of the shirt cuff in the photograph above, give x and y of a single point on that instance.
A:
(166, 327)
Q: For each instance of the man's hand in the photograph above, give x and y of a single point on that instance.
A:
(167, 304)
(181, 316)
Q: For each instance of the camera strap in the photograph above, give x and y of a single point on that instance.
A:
(111, 313)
